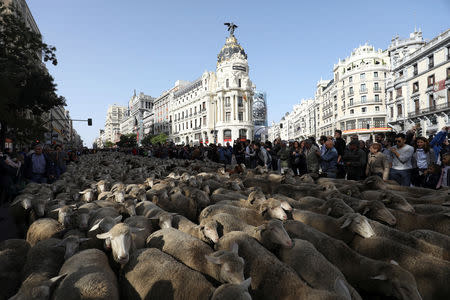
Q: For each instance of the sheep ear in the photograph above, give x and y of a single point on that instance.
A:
(56, 210)
(379, 277)
(118, 219)
(57, 279)
(329, 210)
(347, 222)
(246, 283)
(136, 229)
(366, 210)
(103, 236)
(235, 248)
(394, 262)
(213, 259)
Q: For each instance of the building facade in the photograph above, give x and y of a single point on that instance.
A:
(114, 117)
(260, 115)
(133, 121)
(419, 90)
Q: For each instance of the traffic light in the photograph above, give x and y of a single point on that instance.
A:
(89, 122)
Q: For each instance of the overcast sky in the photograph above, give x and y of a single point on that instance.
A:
(108, 48)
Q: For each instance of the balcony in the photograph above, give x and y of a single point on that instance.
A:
(355, 103)
(431, 109)
(377, 90)
(351, 93)
(363, 91)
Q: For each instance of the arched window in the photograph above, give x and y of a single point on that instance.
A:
(227, 135)
(242, 134)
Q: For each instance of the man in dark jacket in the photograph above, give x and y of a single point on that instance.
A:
(339, 144)
(37, 166)
(354, 160)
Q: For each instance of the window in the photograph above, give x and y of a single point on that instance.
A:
(377, 108)
(352, 111)
(350, 90)
(350, 79)
(241, 116)
(376, 87)
(392, 112)
(430, 80)
(240, 103)
(400, 74)
(242, 134)
(375, 74)
(227, 83)
(432, 102)
(200, 122)
(204, 105)
(416, 70)
(191, 124)
(195, 123)
(227, 116)
(448, 73)
(390, 95)
(430, 61)
(227, 135)
(227, 102)
(398, 92)
(239, 83)
(417, 106)
(448, 53)
(377, 98)
(363, 110)
(362, 76)
(415, 87)
(363, 99)
(363, 88)
(204, 120)
(351, 101)
(399, 110)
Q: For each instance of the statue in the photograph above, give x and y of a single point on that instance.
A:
(231, 27)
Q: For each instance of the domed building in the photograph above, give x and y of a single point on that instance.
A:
(217, 107)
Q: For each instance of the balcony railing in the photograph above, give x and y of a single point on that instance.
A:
(431, 109)
(363, 91)
(351, 93)
(364, 102)
(376, 89)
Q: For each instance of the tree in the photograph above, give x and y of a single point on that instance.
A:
(108, 144)
(147, 140)
(160, 138)
(26, 88)
(127, 140)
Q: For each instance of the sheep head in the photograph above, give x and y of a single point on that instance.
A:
(358, 224)
(231, 265)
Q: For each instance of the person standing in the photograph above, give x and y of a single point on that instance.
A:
(354, 160)
(312, 154)
(422, 158)
(444, 179)
(284, 155)
(339, 144)
(401, 161)
(298, 160)
(377, 162)
(329, 160)
(438, 141)
(37, 166)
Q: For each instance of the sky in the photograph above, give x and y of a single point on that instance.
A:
(106, 49)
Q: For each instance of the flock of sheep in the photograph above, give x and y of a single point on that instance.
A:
(125, 227)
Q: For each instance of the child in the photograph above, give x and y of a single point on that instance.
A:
(432, 175)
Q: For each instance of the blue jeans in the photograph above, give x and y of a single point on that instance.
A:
(38, 178)
(403, 177)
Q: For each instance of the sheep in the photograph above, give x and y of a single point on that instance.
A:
(43, 229)
(41, 269)
(432, 237)
(145, 224)
(345, 228)
(87, 195)
(71, 243)
(250, 216)
(181, 204)
(366, 275)
(408, 222)
(88, 276)
(100, 213)
(121, 241)
(268, 234)
(429, 209)
(316, 270)
(169, 279)
(230, 291)
(272, 206)
(271, 279)
(101, 226)
(13, 254)
(409, 240)
(102, 186)
(207, 231)
(223, 266)
(431, 274)
(389, 199)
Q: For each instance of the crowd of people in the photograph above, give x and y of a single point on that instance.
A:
(408, 159)
(41, 164)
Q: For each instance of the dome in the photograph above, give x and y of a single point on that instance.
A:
(231, 47)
